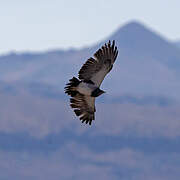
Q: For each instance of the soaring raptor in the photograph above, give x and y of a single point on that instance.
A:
(84, 90)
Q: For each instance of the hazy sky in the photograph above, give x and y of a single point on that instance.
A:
(48, 24)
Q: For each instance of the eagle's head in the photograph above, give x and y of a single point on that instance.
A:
(97, 92)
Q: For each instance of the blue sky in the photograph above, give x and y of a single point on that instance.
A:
(41, 25)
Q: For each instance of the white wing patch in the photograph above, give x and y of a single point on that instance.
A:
(98, 77)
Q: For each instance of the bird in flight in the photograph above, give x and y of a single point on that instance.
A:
(84, 90)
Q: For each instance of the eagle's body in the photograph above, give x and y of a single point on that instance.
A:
(86, 88)
(84, 91)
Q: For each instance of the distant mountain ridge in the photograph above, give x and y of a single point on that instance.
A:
(147, 64)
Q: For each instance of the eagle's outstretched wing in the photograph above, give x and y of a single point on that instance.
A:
(95, 69)
(84, 107)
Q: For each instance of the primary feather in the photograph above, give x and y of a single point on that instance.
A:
(84, 107)
(91, 75)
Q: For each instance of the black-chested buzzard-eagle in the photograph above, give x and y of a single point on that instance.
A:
(84, 91)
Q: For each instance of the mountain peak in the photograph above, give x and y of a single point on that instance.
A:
(133, 24)
(137, 37)
(131, 30)
(140, 40)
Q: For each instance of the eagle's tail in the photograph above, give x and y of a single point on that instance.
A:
(70, 88)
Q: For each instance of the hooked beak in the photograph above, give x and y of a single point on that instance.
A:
(102, 92)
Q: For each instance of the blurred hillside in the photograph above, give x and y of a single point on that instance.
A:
(136, 132)
(178, 43)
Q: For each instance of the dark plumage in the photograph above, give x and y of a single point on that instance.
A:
(74, 82)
